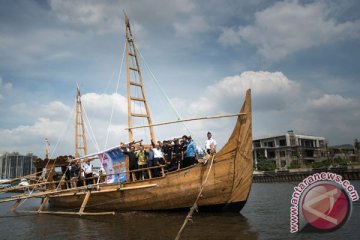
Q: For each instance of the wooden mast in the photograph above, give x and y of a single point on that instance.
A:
(134, 81)
(80, 137)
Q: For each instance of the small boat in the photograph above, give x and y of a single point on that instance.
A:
(4, 183)
(224, 177)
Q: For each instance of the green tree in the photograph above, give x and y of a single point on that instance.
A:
(356, 144)
(264, 164)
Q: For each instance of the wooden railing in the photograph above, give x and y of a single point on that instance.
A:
(72, 183)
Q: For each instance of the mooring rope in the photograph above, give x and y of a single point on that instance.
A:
(194, 207)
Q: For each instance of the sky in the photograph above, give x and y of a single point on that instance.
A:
(300, 58)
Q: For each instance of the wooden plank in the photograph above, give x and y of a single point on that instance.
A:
(135, 84)
(137, 99)
(86, 199)
(138, 115)
(106, 190)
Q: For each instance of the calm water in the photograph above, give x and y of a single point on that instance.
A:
(265, 216)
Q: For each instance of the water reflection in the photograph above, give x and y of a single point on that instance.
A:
(265, 216)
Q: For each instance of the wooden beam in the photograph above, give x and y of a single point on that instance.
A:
(43, 203)
(137, 99)
(188, 119)
(137, 115)
(83, 205)
(71, 213)
(73, 191)
(15, 206)
(135, 84)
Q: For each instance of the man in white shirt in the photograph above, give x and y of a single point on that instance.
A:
(210, 144)
(88, 172)
(158, 159)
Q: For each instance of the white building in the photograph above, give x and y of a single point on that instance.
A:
(290, 148)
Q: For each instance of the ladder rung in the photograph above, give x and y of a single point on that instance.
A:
(134, 69)
(138, 115)
(137, 99)
(136, 84)
(131, 54)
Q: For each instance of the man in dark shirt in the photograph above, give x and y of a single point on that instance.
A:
(184, 144)
(133, 161)
(176, 156)
(167, 150)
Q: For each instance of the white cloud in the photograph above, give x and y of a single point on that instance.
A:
(53, 110)
(4, 88)
(87, 13)
(103, 103)
(39, 45)
(272, 90)
(107, 16)
(30, 138)
(56, 119)
(332, 102)
(288, 26)
(194, 25)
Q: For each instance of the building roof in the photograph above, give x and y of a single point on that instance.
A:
(291, 132)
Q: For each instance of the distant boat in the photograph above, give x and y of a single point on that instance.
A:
(5, 183)
(228, 172)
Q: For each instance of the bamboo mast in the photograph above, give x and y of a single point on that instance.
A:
(80, 136)
(133, 66)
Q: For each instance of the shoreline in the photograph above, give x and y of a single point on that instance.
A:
(296, 175)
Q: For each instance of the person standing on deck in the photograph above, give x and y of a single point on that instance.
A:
(158, 159)
(190, 157)
(142, 161)
(184, 143)
(88, 172)
(150, 157)
(133, 161)
(177, 154)
(210, 144)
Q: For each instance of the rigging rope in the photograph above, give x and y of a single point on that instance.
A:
(116, 91)
(166, 96)
(90, 132)
(62, 133)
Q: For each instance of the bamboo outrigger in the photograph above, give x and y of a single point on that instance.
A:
(228, 177)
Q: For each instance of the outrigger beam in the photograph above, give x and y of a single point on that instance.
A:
(187, 120)
(72, 213)
(43, 203)
(15, 206)
(83, 205)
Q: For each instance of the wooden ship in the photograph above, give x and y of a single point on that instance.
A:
(224, 178)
